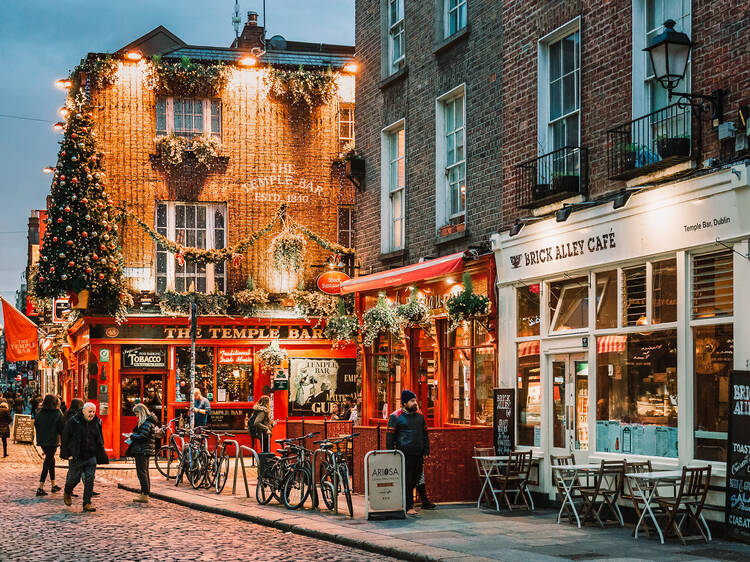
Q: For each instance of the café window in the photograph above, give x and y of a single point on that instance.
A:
(471, 374)
(636, 408)
(204, 373)
(387, 363)
(606, 299)
(529, 395)
(569, 304)
(527, 298)
(234, 375)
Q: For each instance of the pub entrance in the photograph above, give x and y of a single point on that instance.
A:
(424, 373)
(570, 398)
(141, 388)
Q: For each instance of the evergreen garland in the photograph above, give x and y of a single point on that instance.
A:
(301, 88)
(247, 301)
(186, 78)
(172, 302)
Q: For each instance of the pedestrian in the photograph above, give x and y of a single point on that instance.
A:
(5, 419)
(18, 404)
(83, 442)
(142, 448)
(202, 409)
(63, 407)
(75, 406)
(49, 426)
(34, 405)
(263, 423)
(407, 432)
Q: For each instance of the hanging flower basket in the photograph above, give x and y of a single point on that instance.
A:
(272, 356)
(310, 304)
(186, 78)
(301, 88)
(380, 318)
(342, 330)
(466, 305)
(288, 250)
(173, 153)
(414, 313)
(172, 302)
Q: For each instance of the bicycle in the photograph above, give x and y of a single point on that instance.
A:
(288, 477)
(271, 473)
(168, 457)
(193, 460)
(334, 473)
(217, 467)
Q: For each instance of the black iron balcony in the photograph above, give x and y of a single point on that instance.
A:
(553, 177)
(650, 143)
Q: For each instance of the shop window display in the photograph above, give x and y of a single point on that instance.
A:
(234, 383)
(528, 310)
(636, 409)
(664, 291)
(471, 371)
(606, 299)
(390, 374)
(529, 395)
(634, 302)
(713, 357)
(569, 304)
(204, 372)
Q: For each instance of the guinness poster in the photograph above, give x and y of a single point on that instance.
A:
(316, 384)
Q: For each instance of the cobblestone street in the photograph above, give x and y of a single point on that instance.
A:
(42, 528)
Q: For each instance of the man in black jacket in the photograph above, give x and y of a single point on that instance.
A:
(407, 432)
(83, 443)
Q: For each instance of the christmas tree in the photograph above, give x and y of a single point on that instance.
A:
(81, 250)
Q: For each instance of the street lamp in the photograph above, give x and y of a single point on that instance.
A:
(669, 53)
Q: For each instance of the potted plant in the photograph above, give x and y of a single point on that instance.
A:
(354, 164)
(627, 154)
(668, 146)
(565, 182)
(380, 318)
(342, 328)
(414, 313)
(466, 305)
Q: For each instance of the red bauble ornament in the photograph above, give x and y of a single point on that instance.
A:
(62, 177)
(84, 200)
(74, 180)
(41, 278)
(59, 221)
(54, 238)
(63, 153)
(84, 129)
(88, 270)
(70, 242)
(71, 263)
(101, 276)
(67, 209)
(84, 234)
(95, 257)
(73, 135)
(52, 269)
(102, 247)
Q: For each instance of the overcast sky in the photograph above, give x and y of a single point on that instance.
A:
(42, 40)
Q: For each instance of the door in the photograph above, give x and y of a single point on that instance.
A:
(425, 374)
(569, 419)
(145, 389)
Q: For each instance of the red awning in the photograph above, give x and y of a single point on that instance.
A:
(404, 275)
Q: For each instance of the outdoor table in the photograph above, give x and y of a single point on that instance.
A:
(568, 476)
(488, 464)
(646, 484)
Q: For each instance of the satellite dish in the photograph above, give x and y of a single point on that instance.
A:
(277, 43)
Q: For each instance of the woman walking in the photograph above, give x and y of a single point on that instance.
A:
(263, 422)
(5, 419)
(49, 427)
(142, 448)
(75, 405)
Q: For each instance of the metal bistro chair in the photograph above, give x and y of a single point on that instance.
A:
(564, 460)
(689, 502)
(629, 493)
(605, 490)
(515, 480)
(485, 452)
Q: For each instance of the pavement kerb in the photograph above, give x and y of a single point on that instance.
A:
(297, 529)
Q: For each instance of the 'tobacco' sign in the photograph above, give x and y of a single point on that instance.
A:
(330, 282)
(144, 357)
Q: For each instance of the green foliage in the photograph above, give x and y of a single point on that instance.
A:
(288, 250)
(301, 88)
(172, 302)
(414, 312)
(380, 318)
(100, 72)
(313, 304)
(173, 151)
(466, 305)
(272, 355)
(248, 301)
(81, 247)
(186, 78)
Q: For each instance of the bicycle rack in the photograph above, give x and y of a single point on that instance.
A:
(316, 477)
(239, 459)
(236, 451)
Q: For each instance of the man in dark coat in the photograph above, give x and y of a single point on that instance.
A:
(407, 432)
(83, 443)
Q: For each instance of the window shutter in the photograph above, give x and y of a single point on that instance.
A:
(713, 282)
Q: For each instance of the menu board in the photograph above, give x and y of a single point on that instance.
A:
(504, 427)
(738, 458)
(221, 419)
(23, 428)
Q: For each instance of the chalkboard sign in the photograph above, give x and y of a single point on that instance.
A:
(504, 427)
(738, 458)
(222, 419)
(23, 429)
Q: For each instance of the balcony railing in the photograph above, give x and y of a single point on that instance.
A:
(650, 143)
(553, 177)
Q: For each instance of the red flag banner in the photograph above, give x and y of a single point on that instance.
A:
(20, 335)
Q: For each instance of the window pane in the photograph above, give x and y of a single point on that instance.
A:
(606, 299)
(234, 383)
(459, 385)
(559, 376)
(569, 304)
(180, 220)
(484, 379)
(528, 310)
(529, 395)
(713, 285)
(161, 116)
(161, 215)
(569, 53)
(555, 99)
(713, 353)
(161, 262)
(201, 216)
(569, 93)
(204, 372)
(664, 289)
(555, 63)
(461, 336)
(634, 296)
(636, 408)
(215, 117)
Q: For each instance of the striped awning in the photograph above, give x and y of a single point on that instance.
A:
(611, 344)
(527, 348)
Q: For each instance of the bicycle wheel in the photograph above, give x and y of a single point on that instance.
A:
(211, 468)
(296, 488)
(222, 474)
(326, 487)
(265, 490)
(167, 461)
(344, 481)
(198, 469)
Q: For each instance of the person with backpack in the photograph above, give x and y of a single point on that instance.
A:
(49, 426)
(259, 423)
(142, 448)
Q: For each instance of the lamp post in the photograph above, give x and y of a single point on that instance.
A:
(193, 330)
(669, 53)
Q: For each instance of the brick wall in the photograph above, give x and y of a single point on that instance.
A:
(259, 136)
(721, 59)
(474, 61)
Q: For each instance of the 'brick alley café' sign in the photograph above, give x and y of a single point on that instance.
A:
(207, 332)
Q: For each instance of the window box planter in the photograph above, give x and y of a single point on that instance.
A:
(668, 147)
(565, 184)
(355, 167)
(448, 229)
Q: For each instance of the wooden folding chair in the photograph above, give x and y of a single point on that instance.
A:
(605, 491)
(564, 460)
(485, 452)
(689, 502)
(515, 480)
(628, 493)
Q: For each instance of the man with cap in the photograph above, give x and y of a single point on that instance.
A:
(407, 432)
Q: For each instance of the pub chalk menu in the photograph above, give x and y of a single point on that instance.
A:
(738, 458)
(503, 425)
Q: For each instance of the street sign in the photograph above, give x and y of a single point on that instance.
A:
(60, 309)
(385, 486)
(330, 282)
(104, 355)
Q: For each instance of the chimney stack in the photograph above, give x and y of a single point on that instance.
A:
(252, 35)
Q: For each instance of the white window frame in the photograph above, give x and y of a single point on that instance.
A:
(206, 103)
(461, 9)
(395, 30)
(348, 232)
(640, 81)
(545, 139)
(443, 213)
(349, 123)
(210, 240)
(387, 134)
